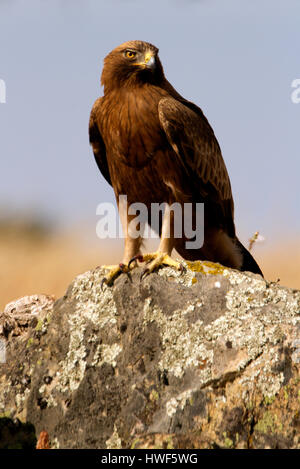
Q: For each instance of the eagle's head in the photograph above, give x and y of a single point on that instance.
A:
(132, 63)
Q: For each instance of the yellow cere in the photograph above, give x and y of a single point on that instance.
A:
(148, 57)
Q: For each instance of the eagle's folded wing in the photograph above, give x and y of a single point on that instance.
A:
(193, 140)
(97, 142)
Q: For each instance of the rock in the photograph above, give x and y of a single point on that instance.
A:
(20, 314)
(205, 359)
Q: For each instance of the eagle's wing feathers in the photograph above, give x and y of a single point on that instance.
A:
(97, 142)
(193, 140)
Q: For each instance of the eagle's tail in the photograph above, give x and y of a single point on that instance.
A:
(249, 263)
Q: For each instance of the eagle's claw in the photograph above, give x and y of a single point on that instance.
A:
(138, 257)
(156, 260)
(144, 274)
(114, 272)
(103, 281)
(153, 261)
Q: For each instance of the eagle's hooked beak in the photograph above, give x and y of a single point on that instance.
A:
(149, 61)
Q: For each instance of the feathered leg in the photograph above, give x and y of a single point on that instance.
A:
(163, 255)
(131, 249)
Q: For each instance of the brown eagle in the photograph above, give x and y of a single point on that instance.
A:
(154, 146)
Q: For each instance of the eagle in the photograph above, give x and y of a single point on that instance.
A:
(156, 147)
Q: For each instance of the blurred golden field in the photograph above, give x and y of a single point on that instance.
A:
(34, 261)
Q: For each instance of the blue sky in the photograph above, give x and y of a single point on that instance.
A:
(236, 59)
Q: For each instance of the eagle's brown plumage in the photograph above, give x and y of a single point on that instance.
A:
(155, 146)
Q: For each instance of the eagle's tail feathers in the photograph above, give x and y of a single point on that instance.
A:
(249, 263)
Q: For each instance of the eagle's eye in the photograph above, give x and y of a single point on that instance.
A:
(130, 54)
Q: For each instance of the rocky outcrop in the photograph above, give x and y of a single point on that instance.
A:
(205, 359)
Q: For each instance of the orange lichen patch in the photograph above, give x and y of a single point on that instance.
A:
(43, 441)
(206, 267)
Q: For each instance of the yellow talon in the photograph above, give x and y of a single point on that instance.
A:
(114, 272)
(157, 259)
(161, 258)
(153, 260)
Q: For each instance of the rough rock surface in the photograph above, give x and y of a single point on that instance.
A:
(205, 359)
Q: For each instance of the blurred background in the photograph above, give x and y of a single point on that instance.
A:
(235, 59)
